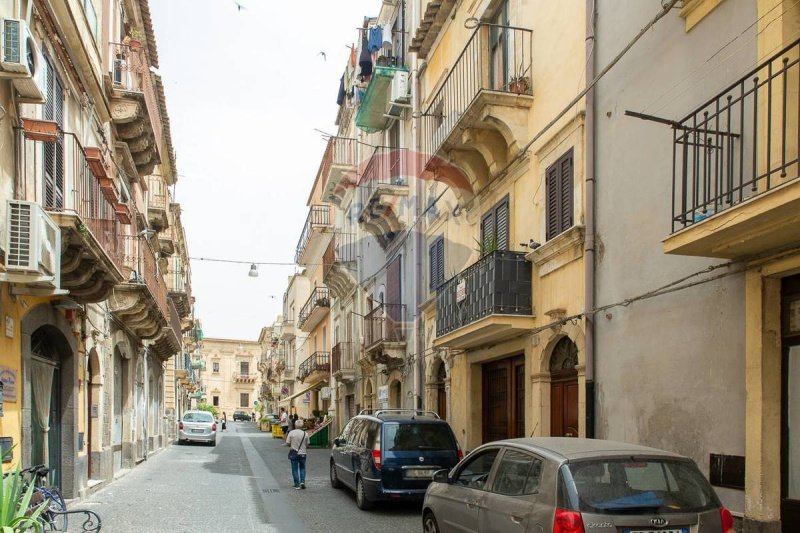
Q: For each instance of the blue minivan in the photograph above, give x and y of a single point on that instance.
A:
(391, 454)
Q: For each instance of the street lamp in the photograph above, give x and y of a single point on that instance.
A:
(253, 271)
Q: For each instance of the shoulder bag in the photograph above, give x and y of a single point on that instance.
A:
(294, 453)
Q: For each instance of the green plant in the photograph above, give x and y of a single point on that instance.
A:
(16, 511)
(136, 34)
(487, 246)
(208, 407)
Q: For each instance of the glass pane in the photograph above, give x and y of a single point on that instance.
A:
(475, 473)
(793, 424)
(413, 437)
(518, 473)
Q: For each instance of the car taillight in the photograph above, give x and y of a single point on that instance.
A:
(180, 426)
(459, 452)
(213, 427)
(568, 522)
(376, 458)
(726, 518)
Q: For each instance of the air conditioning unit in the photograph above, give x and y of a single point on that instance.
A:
(21, 60)
(33, 245)
(400, 88)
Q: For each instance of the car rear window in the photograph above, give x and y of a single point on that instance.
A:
(406, 437)
(634, 485)
(198, 417)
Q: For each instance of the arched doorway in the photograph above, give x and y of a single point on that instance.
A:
(395, 395)
(48, 350)
(368, 395)
(564, 389)
(94, 392)
(121, 381)
(441, 391)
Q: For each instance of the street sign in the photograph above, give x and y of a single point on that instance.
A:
(461, 290)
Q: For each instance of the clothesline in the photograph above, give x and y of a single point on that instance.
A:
(392, 31)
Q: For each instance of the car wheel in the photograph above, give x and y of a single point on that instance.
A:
(214, 442)
(429, 524)
(362, 501)
(335, 483)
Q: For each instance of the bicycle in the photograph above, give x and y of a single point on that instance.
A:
(54, 515)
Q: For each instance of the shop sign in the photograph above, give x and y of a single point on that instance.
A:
(8, 376)
(383, 393)
(325, 393)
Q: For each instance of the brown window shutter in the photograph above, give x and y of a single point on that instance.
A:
(553, 207)
(440, 260)
(487, 232)
(566, 193)
(501, 221)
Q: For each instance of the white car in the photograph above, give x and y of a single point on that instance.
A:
(198, 426)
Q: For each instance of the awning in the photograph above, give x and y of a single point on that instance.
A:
(372, 113)
(302, 391)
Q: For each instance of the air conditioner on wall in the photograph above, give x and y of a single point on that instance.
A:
(400, 88)
(21, 61)
(33, 246)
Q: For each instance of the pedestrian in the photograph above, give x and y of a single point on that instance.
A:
(284, 421)
(224, 421)
(296, 439)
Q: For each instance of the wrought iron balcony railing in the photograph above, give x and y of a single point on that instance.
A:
(320, 298)
(343, 357)
(741, 143)
(496, 58)
(141, 267)
(340, 152)
(385, 167)
(319, 215)
(317, 362)
(499, 283)
(341, 249)
(385, 323)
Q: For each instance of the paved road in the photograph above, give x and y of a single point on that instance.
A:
(241, 485)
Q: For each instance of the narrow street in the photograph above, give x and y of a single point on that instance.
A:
(243, 484)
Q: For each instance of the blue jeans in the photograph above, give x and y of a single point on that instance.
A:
(299, 469)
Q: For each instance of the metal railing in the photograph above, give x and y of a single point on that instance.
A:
(495, 58)
(130, 72)
(343, 357)
(341, 249)
(318, 215)
(499, 283)
(341, 151)
(385, 323)
(320, 297)
(60, 175)
(385, 167)
(244, 376)
(157, 193)
(741, 143)
(141, 267)
(317, 362)
(176, 280)
(174, 320)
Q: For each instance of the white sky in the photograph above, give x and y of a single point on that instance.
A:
(245, 90)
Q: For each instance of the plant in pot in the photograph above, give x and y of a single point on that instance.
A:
(134, 38)
(520, 83)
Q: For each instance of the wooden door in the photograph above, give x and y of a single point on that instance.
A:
(504, 399)
(564, 407)
(790, 405)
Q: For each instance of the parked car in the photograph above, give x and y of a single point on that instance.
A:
(391, 454)
(240, 415)
(570, 485)
(197, 426)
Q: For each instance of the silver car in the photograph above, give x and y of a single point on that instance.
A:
(198, 426)
(566, 485)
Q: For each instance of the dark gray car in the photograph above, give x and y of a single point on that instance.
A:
(566, 485)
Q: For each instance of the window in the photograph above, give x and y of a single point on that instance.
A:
(475, 473)
(494, 228)
(411, 437)
(215, 401)
(244, 399)
(198, 417)
(559, 178)
(518, 473)
(91, 16)
(215, 366)
(436, 263)
(244, 368)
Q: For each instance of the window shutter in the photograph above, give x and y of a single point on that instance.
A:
(553, 206)
(433, 266)
(487, 232)
(565, 186)
(440, 260)
(501, 220)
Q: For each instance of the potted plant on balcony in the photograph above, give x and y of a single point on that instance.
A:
(40, 130)
(520, 83)
(134, 38)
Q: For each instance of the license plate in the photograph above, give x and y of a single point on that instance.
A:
(197, 431)
(672, 530)
(420, 473)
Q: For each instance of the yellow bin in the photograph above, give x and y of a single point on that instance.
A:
(277, 432)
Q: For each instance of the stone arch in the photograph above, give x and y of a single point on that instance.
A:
(575, 334)
(368, 394)
(95, 367)
(46, 319)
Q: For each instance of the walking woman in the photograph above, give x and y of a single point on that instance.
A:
(224, 421)
(296, 439)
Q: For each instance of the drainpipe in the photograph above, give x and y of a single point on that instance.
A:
(589, 245)
(419, 293)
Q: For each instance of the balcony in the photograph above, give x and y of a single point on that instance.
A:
(434, 17)
(311, 243)
(169, 341)
(735, 186)
(287, 376)
(387, 96)
(244, 377)
(158, 216)
(383, 194)
(288, 330)
(479, 116)
(199, 364)
(338, 264)
(490, 301)
(385, 334)
(91, 252)
(339, 169)
(315, 309)
(135, 109)
(179, 288)
(140, 303)
(315, 369)
(343, 359)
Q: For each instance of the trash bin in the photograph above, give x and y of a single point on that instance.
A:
(277, 432)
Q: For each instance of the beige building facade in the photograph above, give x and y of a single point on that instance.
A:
(232, 380)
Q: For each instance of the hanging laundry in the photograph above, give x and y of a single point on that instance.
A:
(375, 38)
(340, 96)
(353, 56)
(365, 59)
(387, 37)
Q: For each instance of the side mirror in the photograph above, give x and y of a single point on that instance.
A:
(441, 476)
(338, 442)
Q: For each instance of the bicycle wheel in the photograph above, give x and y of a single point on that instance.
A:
(53, 519)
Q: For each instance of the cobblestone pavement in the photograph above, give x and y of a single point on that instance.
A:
(243, 484)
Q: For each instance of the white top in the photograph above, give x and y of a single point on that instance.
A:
(293, 440)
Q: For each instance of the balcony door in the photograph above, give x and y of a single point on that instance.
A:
(53, 152)
(499, 36)
(503, 399)
(790, 434)
(393, 312)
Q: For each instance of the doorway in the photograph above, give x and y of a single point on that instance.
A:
(790, 404)
(564, 389)
(120, 381)
(46, 412)
(441, 391)
(503, 395)
(395, 395)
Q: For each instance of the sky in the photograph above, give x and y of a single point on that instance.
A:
(246, 89)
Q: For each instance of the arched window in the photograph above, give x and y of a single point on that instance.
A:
(564, 358)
